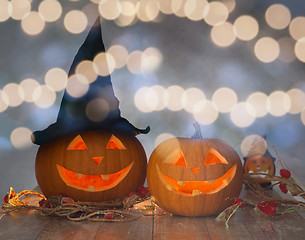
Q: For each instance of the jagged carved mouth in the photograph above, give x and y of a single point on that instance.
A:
(260, 174)
(193, 188)
(92, 183)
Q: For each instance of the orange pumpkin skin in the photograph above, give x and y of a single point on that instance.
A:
(185, 176)
(92, 166)
(260, 164)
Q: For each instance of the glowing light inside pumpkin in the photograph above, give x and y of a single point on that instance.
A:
(176, 158)
(115, 143)
(92, 183)
(214, 157)
(97, 160)
(191, 188)
(77, 144)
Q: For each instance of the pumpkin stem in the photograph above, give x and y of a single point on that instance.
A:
(197, 134)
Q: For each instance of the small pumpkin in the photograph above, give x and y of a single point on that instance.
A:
(194, 177)
(262, 165)
(259, 161)
(91, 166)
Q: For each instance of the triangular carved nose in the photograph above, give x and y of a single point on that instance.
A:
(97, 160)
(195, 170)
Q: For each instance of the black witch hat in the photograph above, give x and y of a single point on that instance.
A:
(73, 112)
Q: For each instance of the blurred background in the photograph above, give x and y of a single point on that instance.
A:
(234, 66)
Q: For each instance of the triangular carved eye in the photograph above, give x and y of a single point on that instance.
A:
(214, 157)
(176, 158)
(77, 144)
(115, 143)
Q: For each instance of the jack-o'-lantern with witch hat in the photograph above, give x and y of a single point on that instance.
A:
(90, 153)
(259, 162)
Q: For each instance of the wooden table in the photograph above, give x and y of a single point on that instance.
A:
(30, 225)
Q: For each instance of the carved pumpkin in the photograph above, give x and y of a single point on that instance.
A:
(194, 177)
(92, 166)
(260, 164)
(259, 161)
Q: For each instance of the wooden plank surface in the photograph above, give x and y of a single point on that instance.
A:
(60, 228)
(31, 225)
(175, 227)
(22, 225)
(140, 228)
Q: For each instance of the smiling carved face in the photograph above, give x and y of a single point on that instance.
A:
(91, 166)
(194, 177)
(260, 165)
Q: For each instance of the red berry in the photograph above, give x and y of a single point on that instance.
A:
(285, 173)
(109, 216)
(65, 200)
(267, 207)
(283, 187)
(5, 199)
(143, 191)
(237, 201)
(45, 203)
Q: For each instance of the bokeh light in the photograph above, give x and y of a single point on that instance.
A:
(296, 28)
(174, 97)
(258, 101)
(120, 55)
(165, 6)
(225, 99)
(253, 141)
(77, 86)
(194, 9)
(3, 101)
(151, 59)
(159, 93)
(104, 64)
(191, 97)
(297, 98)
(75, 21)
(109, 9)
(134, 62)
(267, 49)
(127, 15)
(29, 85)
(50, 10)
(162, 137)
(86, 69)
(148, 99)
(4, 10)
(21, 137)
(32, 23)
(19, 9)
(177, 7)
(300, 49)
(97, 109)
(230, 4)
(278, 103)
(223, 35)
(242, 115)
(246, 27)
(278, 16)
(14, 94)
(205, 112)
(56, 78)
(44, 97)
(142, 98)
(216, 13)
(148, 10)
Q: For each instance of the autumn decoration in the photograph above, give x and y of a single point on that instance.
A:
(194, 176)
